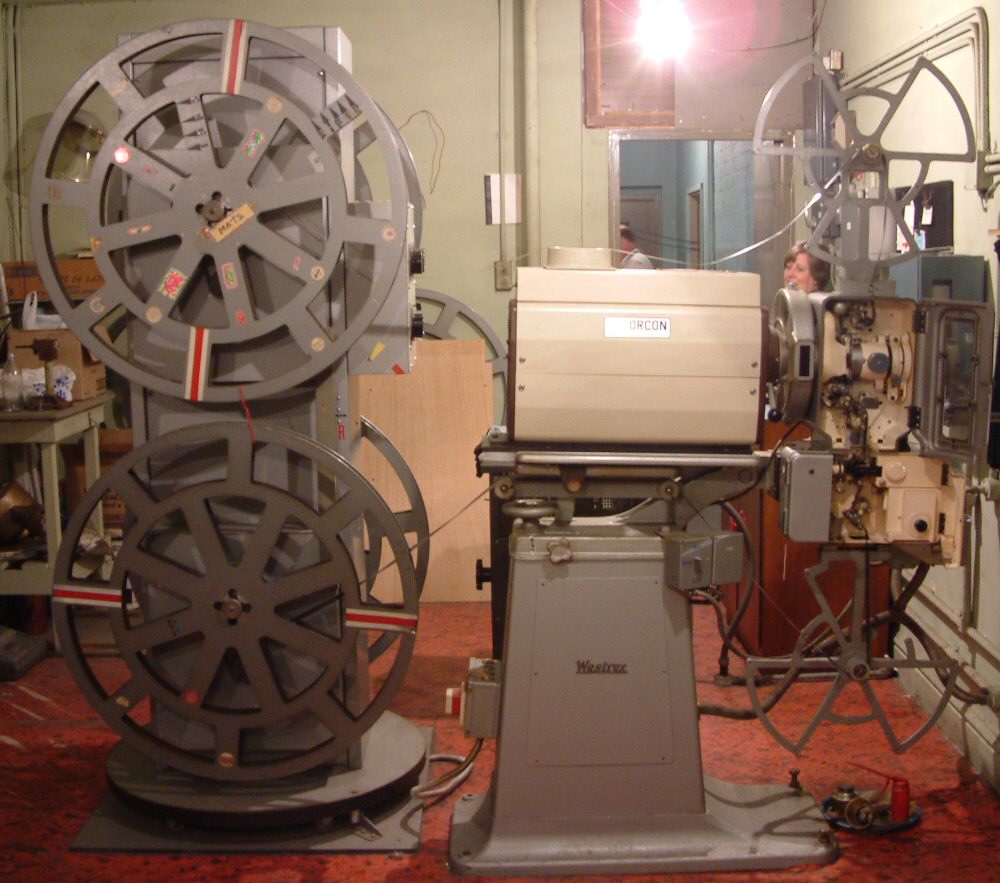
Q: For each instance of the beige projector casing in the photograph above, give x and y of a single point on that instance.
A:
(637, 357)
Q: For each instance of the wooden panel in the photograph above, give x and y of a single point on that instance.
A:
(435, 416)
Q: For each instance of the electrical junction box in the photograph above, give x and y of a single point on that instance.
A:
(696, 561)
(805, 493)
(941, 277)
(636, 357)
(481, 708)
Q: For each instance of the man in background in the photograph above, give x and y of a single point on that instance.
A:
(632, 258)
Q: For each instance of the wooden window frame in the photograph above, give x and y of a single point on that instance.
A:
(607, 74)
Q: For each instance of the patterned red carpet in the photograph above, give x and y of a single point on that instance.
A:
(52, 748)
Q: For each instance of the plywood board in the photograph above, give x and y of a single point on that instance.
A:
(435, 416)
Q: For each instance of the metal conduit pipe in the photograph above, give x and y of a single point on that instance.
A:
(532, 197)
(968, 28)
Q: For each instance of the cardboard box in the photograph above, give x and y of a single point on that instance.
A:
(91, 379)
(80, 277)
(115, 444)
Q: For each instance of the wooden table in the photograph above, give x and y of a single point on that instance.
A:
(49, 429)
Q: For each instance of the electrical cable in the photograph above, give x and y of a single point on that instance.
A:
(437, 155)
(726, 498)
(448, 782)
(421, 542)
(734, 713)
(896, 613)
(744, 602)
(743, 251)
(752, 585)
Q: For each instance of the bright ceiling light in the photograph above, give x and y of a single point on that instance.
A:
(663, 29)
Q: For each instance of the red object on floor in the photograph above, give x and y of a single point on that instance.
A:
(52, 749)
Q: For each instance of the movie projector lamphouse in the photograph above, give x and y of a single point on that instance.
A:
(253, 213)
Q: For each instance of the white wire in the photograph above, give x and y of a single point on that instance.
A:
(816, 197)
(419, 792)
(447, 783)
(736, 254)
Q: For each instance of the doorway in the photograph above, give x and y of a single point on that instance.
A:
(715, 199)
(642, 210)
(694, 227)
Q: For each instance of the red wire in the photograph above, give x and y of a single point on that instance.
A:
(889, 778)
(246, 410)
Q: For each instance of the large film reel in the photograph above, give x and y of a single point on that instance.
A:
(449, 315)
(412, 522)
(826, 644)
(237, 603)
(859, 195)
(219, 213)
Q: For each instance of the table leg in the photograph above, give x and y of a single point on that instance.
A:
(53, 513)
(50, 500)
(92, 471)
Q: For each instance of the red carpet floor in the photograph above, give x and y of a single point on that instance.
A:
(52, 748)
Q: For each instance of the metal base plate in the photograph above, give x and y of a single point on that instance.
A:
(314, 818)
(744, 827)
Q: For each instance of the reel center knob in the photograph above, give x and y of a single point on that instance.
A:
(214, 210)
(232, 607)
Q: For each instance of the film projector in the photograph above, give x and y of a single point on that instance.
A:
(255, 217)
(648, 389)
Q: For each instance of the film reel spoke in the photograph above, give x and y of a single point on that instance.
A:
(149, 635)
(292, 192)
(139, 231)
(287, 257)
(262, 680)
(136, 496)
(143, 168)
(120, 703)
(234, 285)
(442, 326)
(170, 291)
(306, 642)
(204, 532)
(262, 126)
(261, 545)
(301, 583)
(342, 514)
(162, 573)
(110, 76)
(332, 715)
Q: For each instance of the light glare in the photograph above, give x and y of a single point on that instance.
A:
(663, 29)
